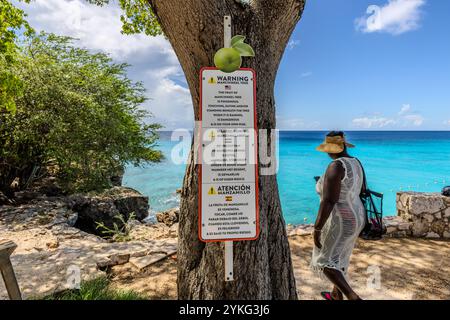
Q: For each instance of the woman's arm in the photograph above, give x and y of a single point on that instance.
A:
(330, 196)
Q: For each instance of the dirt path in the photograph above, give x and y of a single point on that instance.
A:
(407, 269)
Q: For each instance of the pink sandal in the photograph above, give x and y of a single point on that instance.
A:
(326, 295)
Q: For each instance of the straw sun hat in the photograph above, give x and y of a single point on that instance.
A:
(334, 144)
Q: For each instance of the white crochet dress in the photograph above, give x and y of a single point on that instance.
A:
(345, 223)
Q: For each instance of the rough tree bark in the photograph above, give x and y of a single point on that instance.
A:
(263, 268)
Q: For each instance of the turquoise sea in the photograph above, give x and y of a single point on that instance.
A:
(394, 161)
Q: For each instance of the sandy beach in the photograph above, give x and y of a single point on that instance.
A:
(408, 268)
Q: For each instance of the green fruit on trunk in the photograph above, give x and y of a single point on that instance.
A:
(227, 60)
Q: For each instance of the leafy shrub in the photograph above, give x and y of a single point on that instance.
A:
(120, 232)
(79, 111)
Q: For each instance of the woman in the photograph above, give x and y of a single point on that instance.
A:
(341, 216)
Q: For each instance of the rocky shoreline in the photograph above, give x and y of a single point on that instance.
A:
(60, 242)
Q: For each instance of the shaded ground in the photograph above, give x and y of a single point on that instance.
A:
(48, 261)
(408, 269)
(157, 282)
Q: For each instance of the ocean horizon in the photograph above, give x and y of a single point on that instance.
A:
(394, 161)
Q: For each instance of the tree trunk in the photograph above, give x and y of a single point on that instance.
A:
(262, 268)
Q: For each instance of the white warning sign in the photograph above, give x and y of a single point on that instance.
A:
(228, 178)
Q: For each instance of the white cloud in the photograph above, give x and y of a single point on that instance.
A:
(405, 109)
(97, 28)
(292, 44)
(414, 119)
(409, 117)
(372, 122)
(406, 117)
(306, 74)
(286, 123)
(447, 122)
(395, 17)
(152, 59)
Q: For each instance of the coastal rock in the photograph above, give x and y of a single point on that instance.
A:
(429, 217)
(420, 203)
(48, 186)
(25, 196)
(420, 228)
(404, 226)
(152, 231)
(53, 244)
(300, 230)
(446, 235)
(427, 213)
(438, 226)
(391, 229)
(128, 200)
(119, 258)
(60, 253)
(35, 214)
(168, 217)
(107, 207)
(447, 213)
(402, 201)
(54, 250)
(432, 235)
(4, 199)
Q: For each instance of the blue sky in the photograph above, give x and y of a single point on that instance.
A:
(394, 76)
(344, 68)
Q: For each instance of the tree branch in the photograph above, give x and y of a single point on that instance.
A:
(275, 10)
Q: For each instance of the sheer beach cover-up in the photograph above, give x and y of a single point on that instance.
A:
(345, 223)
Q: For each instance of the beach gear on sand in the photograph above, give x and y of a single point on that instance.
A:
(373, 205)
(346, 221)
(334, 145)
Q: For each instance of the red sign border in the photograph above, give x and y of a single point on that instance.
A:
(255, 125)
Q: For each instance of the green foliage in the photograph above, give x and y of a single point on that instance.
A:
(245, 50)
(97, 289)
(117, 233)
(137, 17)
(12, 20)
(79, 111)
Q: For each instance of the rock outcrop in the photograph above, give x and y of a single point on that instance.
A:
(428, 214)
(168, 217)
(53, 255)
(107, 207)
(4, 199)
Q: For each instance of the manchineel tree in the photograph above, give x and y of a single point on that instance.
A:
(263, 268)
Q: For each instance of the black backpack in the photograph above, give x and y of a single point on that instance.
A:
(446, 191)
(373, 204)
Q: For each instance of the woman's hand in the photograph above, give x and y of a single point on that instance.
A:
(317, 234)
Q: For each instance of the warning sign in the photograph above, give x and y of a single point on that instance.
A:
(228, 177)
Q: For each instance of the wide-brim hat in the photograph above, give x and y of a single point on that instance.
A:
(335, 144)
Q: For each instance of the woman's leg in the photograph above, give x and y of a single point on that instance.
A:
(336, 294)
(339, 281)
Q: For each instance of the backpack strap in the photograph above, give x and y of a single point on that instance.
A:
(364, 178)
